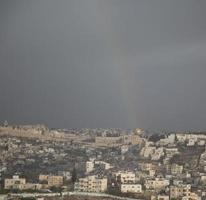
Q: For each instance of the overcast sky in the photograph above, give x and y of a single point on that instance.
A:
(104, 63)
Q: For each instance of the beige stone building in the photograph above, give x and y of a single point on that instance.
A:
(160, 197)
(14, 182)
(163, 197)
(157, 183)
(146, 166)
(132, 139)
(125, 176)
(51, 180)
(179, 191)
(91, 184)
(131, 188)
(20, 183)
(89, 166)
(105, 141)
(192, 196)
(176, 169)
(110, 141)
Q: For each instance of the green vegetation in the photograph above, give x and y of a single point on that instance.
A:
(74, 175)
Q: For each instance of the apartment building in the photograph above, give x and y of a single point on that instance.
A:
(89, 166)
(144, 166)
(132, 139)
(176, 169)
(158, 153)
(91, 184)
(131, 188)
(147, 151)
(125, 177)
(51, 180)
(157, 183)
(192, 196)
(104, 141)
(112, 141)
(179, 191)
(14, 182)
(20, 183)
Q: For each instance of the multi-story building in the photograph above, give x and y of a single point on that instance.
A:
(179, 191)
(106, 141)
(30, 186)
(131, 188)
(20, 183)
(114, 141)
(157, 183)
(14, 182)
(89, 166)
(168, 140)
(192, 196)
(125, 176)
(176, 169)
(91, 184)
(132, 139)
(191, 142)
(52, 180)
(158, 153)
(146, 166)
(170, 152)
(147, 151)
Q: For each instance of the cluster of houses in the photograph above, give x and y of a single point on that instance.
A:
(126, 163)
(45, 182)
(157, 174)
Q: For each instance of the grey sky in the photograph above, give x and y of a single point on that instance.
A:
(104, 63)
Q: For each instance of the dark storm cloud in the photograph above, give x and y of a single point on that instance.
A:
(104, 63)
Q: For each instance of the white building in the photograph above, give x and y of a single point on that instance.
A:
(201, 143)
(191, 142)
(89, 166)
(124, 149)
(170, 152)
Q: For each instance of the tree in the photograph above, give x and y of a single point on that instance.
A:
(176, 139)
(74, 175)
(56, 189)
